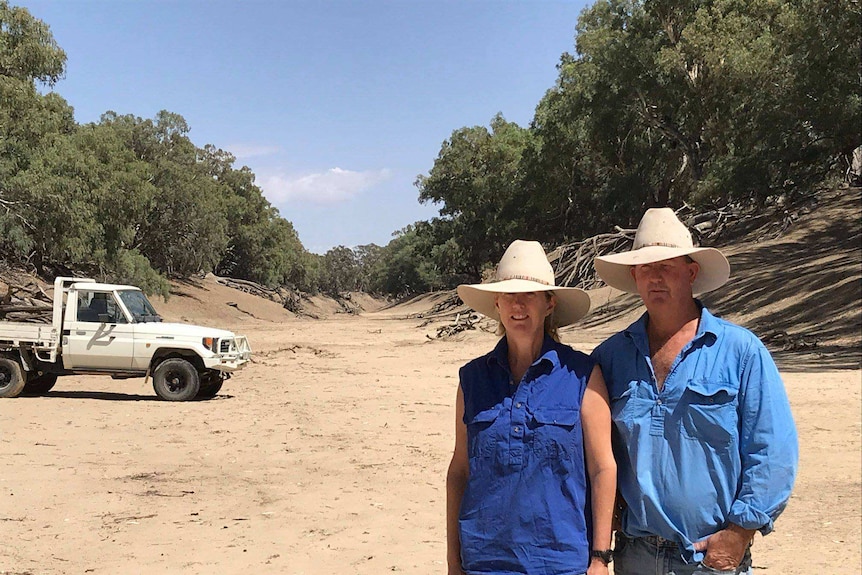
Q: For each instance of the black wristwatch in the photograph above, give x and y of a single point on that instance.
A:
(605, 556)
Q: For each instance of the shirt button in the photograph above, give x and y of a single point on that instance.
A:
(517, 429)
(658, 401)
(518, 405)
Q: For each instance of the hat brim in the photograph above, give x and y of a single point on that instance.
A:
(615, 269)
(572, 303)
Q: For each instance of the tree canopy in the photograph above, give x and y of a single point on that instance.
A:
(663, 103)
(125, 198)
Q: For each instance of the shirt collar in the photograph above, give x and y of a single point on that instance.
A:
(707, 326)
(500, 355)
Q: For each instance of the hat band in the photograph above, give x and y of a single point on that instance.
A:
(661, 244)
(528, 278)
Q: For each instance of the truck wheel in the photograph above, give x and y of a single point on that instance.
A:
(176, 379)
(11, 377)
(210, 385)
(40, 384)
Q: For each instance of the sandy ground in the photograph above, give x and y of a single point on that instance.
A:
(326, 455)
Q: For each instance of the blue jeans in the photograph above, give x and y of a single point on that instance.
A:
(657, 556)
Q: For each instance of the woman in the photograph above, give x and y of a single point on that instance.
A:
(530, 414)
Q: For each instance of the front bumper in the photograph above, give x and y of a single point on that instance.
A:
(232, 356)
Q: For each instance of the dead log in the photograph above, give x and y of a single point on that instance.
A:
(26, 307)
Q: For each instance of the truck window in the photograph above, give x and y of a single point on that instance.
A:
(139, 306)
(93, 304)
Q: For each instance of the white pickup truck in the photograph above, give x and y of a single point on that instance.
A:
(113, 330)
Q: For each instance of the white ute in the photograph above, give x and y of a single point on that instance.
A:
(113, 330)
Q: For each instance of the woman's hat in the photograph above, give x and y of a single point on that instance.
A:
(525, 268)
(661, 236)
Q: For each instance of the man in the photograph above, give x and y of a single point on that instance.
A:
(704, 438)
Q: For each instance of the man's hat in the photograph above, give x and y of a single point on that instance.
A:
(525, 268)
(661, 236)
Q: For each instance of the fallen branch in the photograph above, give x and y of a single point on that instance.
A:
(574, 262)
(786, 342)
(26, 302)
(460, 324)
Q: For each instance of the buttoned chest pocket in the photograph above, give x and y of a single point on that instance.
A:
(709, 412)
(481, 438)
(556, 432)
(629, 411)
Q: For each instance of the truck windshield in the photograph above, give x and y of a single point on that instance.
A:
(139, 306)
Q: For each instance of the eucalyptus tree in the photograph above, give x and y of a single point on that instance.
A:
(477, 181)
(28, 51)
(367, 257)
(703, 101)
(407, 265)
(31, 124)
(261, 246)
(339, 272)
(183, 229)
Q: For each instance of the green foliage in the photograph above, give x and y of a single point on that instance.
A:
(28, 51)
(477, 180)
(262, 246)
(132, 268)
(339, 272)
(367, 258)
(408, 264)
(720, 93)
(183, 230)
(126, 198)
(665, 102)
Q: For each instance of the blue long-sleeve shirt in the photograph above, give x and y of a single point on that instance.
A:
(716, 445)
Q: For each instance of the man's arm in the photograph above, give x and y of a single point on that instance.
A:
(769, 448)
(769, 454)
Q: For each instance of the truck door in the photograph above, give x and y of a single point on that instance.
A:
(99, 335)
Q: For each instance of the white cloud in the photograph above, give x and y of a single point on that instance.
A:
(333, 185)
(243, 151)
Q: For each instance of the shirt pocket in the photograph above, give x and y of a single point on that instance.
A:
(480, 439)
(629, 411)
(556, 431)
(710, 414)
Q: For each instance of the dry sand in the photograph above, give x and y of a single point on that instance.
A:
(328, 453)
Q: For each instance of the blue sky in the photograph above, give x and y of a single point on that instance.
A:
(336, 106)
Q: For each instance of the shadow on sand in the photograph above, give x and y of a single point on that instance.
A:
(113, 396)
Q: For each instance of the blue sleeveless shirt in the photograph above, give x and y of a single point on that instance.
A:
(524, 509)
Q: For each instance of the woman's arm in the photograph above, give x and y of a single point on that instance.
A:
(456, 482)
(601, 467)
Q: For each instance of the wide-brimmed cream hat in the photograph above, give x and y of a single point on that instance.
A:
(525, 268)
(661, 236)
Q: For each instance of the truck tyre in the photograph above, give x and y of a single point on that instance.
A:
(176, 379)
(11, 377)
(210, 385)
(40, 384)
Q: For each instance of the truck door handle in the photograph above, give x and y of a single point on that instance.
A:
(80, 332)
